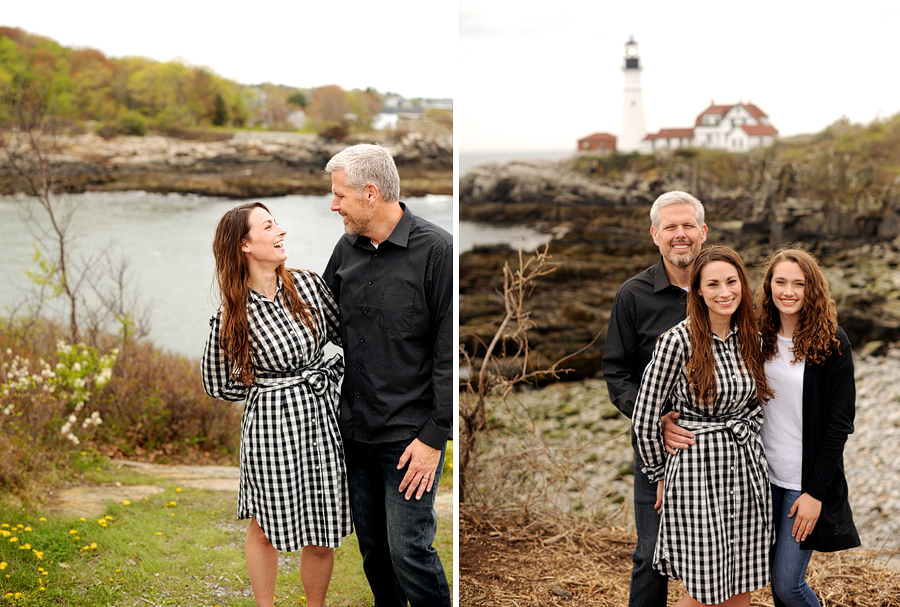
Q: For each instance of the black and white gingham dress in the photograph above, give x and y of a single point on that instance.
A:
(292, 474)
(716, 525)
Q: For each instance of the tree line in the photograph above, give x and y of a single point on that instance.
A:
(129, 94)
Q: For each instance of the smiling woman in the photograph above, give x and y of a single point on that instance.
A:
(709, 369)
(266, 346)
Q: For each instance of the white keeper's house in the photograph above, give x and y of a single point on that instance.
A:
(735, 128)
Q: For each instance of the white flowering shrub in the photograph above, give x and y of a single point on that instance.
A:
(80, 371)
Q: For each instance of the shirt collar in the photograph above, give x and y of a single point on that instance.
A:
(399, 236)
(660, 278)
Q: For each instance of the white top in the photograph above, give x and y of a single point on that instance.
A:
(782, 429)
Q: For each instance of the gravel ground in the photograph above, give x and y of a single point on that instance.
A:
(565, 446)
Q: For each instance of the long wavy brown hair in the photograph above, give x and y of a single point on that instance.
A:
(815, 336)
(232, 276)
(702, 365)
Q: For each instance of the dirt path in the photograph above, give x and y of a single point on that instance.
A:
(90, 500)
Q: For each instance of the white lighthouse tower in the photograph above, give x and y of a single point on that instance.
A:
(634, 125)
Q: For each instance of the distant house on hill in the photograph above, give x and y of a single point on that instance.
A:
(735, 128)
(598, 142)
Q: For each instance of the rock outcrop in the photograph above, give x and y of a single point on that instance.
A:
(248, 165)
(606, 240)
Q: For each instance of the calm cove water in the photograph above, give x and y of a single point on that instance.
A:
(168, 242)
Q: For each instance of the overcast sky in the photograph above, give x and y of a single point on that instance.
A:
(401, 46)
(541, 75)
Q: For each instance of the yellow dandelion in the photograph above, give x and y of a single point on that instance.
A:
(27, 529)
(159, 533)
(93, 545)
(177, 489)
(73, 531)
(125, 502)
(27, 546)
(42, 519)
(4, 524)
(3, 565)
(83, 520)
(13, 539)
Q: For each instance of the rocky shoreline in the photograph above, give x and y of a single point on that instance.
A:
(246, 165)
(565, 447)
(601, 229)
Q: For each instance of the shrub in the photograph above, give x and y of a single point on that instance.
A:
(56, 398)
(132, 123)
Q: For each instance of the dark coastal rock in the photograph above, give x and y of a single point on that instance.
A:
(606, 240)
(248, 165)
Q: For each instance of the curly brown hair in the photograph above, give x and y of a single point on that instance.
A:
(232, 276)
(701, 365)
(815, 336)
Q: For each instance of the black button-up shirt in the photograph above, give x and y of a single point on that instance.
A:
(396, 322)
(645, 306)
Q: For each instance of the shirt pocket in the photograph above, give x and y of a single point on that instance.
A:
(403, 310)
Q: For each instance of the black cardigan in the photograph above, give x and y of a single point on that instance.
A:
(829, 406)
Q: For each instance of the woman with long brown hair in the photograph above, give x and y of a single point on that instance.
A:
(810, 367)
(266, 347)
(716, 529)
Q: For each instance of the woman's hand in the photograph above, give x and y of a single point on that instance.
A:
(807, 508)
(659, 497)
(674, 436)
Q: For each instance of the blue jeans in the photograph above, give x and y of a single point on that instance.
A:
(789, 561)
(395, 534)
(649, 588)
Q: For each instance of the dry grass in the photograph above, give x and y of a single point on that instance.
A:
(519, 557)
(152, 408)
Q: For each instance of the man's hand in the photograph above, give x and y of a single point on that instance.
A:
(423, 462)
(807, 509)
(674, 436)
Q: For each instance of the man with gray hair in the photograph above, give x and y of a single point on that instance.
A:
(392, 276)
(645, 306)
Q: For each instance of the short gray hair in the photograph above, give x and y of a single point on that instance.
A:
(676, 197)
(368, 163)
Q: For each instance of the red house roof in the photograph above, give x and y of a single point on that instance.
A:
(598, 137)
(721, 110)
(759, 130)
(671, 134)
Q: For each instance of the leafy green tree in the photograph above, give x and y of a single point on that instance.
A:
(298, 98)
(221, 115)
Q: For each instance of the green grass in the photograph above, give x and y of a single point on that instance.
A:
(178, 547)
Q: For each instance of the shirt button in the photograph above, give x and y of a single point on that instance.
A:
(365, 311)
(362, 339)
(370, 282)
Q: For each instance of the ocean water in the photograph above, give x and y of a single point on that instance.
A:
(167, 242)
(467, 160)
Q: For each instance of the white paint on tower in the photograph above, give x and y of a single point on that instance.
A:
(634, 124)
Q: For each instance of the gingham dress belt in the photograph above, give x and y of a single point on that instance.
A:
(318, 376)
(740, 427)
